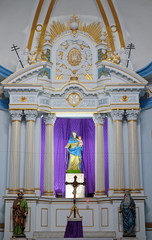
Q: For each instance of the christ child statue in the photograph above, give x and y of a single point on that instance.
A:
(80, 142)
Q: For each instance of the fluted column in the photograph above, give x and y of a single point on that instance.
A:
(117, 116)
(134, 177)
(14, 176)
(99, 155)
(30, 116)
(49, 155)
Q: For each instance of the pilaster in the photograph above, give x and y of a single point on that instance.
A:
(30, 116)
(117, 116)
(99, 155)
(49, 155)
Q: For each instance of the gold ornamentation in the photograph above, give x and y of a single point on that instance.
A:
(115, 58)
(74, 99)
(124, 99)
(74, 57)
(23, 99)
(94, 30)
(113, 28)
(39, 27)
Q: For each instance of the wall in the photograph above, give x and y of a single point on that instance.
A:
(146, 148)
(4, 123)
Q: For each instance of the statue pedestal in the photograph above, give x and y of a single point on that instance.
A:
(129, 238)
(80, 193)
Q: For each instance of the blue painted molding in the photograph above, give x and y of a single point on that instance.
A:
(5, 72)
(4, 103)
(146, 71)
(146, 103)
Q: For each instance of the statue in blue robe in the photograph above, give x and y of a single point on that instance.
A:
(75, 147)
(128, 210)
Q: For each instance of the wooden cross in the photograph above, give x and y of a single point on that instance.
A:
(75, 184)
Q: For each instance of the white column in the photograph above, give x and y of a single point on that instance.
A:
(134, 170)
(117, 116)
(30, 116)
(14, 176)
(49, 155)
(99, 155)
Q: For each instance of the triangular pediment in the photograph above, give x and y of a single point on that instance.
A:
(27, 75)
(119, 75)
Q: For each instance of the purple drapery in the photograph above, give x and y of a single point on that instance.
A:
(63, 128)
(74, 229)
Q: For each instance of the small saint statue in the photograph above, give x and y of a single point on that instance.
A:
(75, 147)
(20, 211)
(128, 210)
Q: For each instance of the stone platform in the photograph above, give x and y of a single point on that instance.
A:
(86, 235)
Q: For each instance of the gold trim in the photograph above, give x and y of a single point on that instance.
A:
(47, 217)
(124, 103)
(118, 26)
(107, 217)
(34, 24)
(22, 104)
(124, 108)
(98, 124)
(16, 120)
(132, 120)
(45, 24)
(102, 11)
(48, 192)
(49, 124)
(103, 106)
(22, 108)
(117, 121)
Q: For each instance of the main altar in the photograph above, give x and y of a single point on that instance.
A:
(74, 76)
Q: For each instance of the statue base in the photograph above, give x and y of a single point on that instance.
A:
(129, 238)
(80, 193)
(18, 238)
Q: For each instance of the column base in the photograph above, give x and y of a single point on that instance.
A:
(48, 194)
(13, 191)
(98, 194)
(29, 191)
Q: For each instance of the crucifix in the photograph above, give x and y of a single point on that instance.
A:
(130, 47)
(15, 48)
(75, 184)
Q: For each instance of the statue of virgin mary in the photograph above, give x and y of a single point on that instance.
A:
(75, 146)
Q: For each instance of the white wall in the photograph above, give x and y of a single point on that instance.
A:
(4, 128)
(146, 148)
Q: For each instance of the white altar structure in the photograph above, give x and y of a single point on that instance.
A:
(70, 77)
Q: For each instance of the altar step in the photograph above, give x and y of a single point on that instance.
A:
(86, 235)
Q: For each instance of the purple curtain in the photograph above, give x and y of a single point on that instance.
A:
(62, 131)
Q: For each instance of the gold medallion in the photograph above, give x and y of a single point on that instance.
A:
(74, 57)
